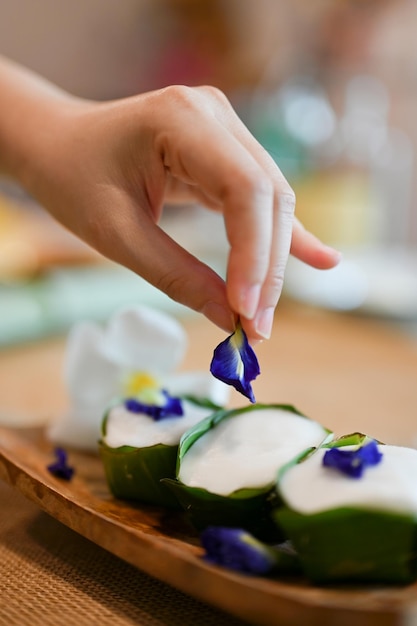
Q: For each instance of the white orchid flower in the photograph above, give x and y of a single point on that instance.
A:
(135, 354)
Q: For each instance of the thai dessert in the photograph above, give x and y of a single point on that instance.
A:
(227, 464)
(350, 511)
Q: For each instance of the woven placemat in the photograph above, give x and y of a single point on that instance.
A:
(50, 575)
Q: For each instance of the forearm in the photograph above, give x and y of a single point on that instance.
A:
(29, 107)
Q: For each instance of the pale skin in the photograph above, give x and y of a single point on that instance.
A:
(105, 169)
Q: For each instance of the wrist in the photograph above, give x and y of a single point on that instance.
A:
(31, 113)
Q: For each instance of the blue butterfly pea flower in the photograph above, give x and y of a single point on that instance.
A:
(171, 407)
(236, 549)
(353, 462)
(235, 363)
(60, 467)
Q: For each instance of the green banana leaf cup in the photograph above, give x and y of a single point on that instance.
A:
(248, 504)
(245, 508)
(364, 541)
(136, 472)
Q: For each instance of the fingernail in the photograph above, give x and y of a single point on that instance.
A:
(264, 322)
(336, 254)
(249, 300)
(220, 315)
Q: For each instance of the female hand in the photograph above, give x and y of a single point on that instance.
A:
(105, 170)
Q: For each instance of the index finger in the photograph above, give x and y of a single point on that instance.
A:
(227, 172)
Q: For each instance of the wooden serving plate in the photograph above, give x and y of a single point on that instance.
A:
(163, 545)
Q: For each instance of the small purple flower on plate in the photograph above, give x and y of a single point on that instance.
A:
(236, 549)
(60, 467)
(353, 462)
(172, 407)
(235, 363)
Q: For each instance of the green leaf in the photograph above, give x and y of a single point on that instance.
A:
(205, 403)
(246, 508)
(136, 473)
(353, 545)
(352, 439)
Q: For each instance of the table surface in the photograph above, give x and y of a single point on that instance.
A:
(347, 372)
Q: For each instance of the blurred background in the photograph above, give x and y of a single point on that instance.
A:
(330, 90)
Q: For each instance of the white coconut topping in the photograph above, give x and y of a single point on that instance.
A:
(309, 487)
(247, 450)
(125, 428)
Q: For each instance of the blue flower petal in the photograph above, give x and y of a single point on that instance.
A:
(60, 468)
(353, 462)
(171, 408)
(234, 362)
(236, 549)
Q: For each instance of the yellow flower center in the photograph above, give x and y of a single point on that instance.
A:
(138, 382)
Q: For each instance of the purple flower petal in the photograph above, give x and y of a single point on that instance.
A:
(60, 468)
(171, 408)
(235, 363)
(353, 462)
(236, 549)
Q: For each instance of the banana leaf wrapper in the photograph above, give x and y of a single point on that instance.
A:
(349, 544)
(249, 508)
(246, 508)
(136, 473)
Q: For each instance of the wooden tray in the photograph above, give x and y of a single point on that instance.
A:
(164, 546)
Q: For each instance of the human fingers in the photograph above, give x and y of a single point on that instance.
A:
(257, 321)
(217, 163)
(286, 234)
(306, 247)
(309, 249)
(130, 237)
(260, 325)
